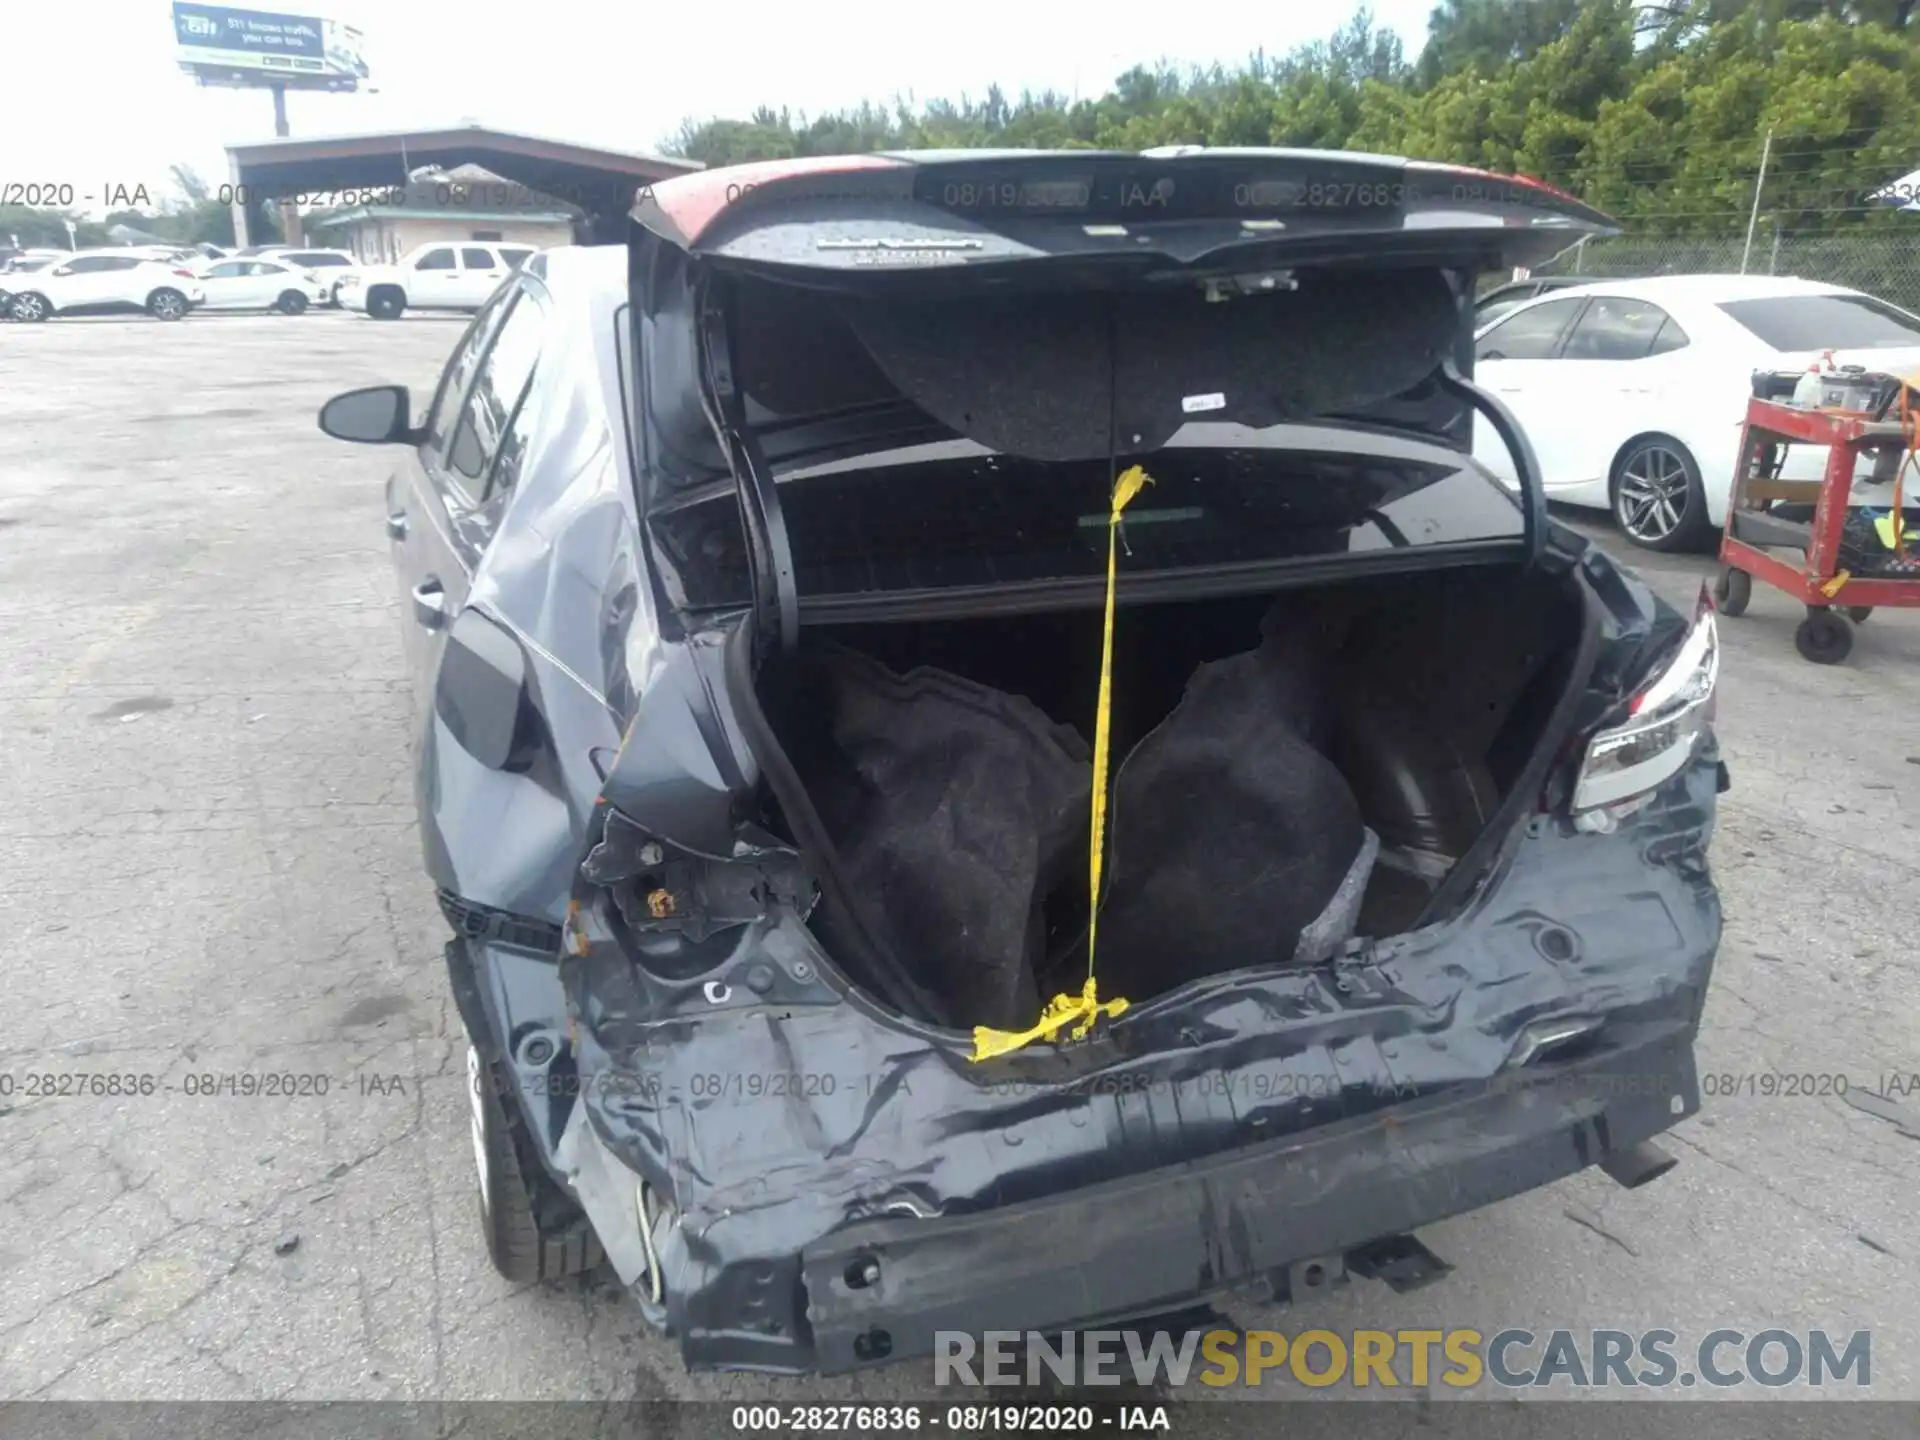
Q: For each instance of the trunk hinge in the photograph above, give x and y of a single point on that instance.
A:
(1533, 492)
(776, 597)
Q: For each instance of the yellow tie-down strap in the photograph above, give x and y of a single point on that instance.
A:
(1086, 1007)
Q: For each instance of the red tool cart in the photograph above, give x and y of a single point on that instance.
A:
(1830, 583)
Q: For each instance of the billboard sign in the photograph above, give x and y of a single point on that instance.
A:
(268, 44)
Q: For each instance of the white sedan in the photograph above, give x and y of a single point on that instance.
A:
(260, 283)
(1633, 392)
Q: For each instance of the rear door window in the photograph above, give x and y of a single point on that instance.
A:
(459, 372)
(1671, 337)
(478, 259)
(1531, 334)
(502, 382)
(1614, 328)
(515, 255)
(1825, 322)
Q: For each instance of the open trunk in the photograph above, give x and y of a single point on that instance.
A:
(918, 379)
(1288, 770)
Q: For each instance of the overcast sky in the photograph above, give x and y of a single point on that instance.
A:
(93, 97)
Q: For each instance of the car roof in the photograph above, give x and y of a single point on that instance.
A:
(1702, 289)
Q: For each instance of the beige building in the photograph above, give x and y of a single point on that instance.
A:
(466, 204)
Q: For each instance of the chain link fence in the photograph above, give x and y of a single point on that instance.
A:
(1883, 261)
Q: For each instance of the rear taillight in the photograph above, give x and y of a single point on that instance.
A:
(1665, 720)
(186, 274)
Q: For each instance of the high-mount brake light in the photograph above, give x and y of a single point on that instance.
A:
(1625, 763)
(693, 201)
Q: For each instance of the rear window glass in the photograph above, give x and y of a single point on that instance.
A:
(1825, 322)
(954, 515)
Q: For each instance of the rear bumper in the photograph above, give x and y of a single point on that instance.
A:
(1170, 1238)
(844, 1189)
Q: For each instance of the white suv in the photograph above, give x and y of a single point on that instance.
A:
(94, 282)
(461, 275)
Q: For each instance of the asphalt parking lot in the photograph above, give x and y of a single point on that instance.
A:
(208, 863)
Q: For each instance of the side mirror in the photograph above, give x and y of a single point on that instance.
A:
(378, 415)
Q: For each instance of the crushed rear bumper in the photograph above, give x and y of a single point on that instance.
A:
(1164, 1240)
(831, 1188)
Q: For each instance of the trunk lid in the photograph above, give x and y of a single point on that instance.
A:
(1064, 307)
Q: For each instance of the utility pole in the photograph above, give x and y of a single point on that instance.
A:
(1753, 218)
(289, 212)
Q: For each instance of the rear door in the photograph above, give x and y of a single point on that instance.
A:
(420, 511)
(434, 280)
(446, 503)
(226, 284)
(481, 271)
(271, 279)
(1620, 371)
(1518, 361)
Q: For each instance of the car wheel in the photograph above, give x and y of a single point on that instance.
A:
(533, 1231)
(31, 307)
(166, 304)
(386, 304)
(1658, 501)
(1825, 637)
(1732, 591)
(291, 303)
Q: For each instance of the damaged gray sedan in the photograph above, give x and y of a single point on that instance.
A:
(995, 763)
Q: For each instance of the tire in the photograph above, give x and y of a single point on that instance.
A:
(31, 307)
(533, 1231)
(1658, 501)
(291, 303)
(1859, 613)
(167, 304)
(386, 304)
(1732, 591)
(1825, 637)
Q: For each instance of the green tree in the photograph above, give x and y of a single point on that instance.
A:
(1655, 110)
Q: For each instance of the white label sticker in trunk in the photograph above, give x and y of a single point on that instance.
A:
(1195, 404)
